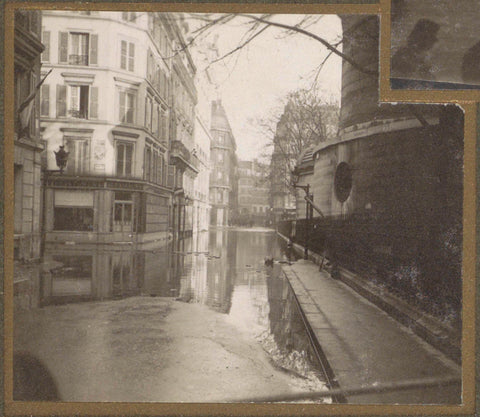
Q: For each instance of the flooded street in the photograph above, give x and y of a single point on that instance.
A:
(201, 321)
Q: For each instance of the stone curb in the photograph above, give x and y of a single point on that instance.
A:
(432, 330)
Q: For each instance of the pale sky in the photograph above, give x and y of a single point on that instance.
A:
(254, 81)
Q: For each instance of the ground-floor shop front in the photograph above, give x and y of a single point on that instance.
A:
(102, 210)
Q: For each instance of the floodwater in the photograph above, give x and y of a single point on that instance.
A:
(204, 320)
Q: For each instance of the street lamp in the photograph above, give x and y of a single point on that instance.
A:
(61, 157)
(308, 207)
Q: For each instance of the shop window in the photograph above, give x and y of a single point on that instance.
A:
(73, 219)
(123, 212)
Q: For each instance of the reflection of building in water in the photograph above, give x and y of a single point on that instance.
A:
(80, 272)
(220, 275)
(194, 284)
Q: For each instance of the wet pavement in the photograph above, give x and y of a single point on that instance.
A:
(203, 321)
(364, 346)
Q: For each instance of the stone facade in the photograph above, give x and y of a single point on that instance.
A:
(123, 110)
(253, 193)
(28, 146)
(223, 177)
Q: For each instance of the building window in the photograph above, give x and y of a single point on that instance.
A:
(127, 55)
(123, 212)
(79, 155)
(124, 159)
(127, 106)
(76, 48)
(45, 100)
(160, 169)
(73, 219)
(77, 101)
(18, 198)
(148, 113)
(147, 163)
(46, 44)
(129, 16)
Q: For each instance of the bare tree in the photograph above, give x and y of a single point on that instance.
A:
(306, 120)
(255, 25)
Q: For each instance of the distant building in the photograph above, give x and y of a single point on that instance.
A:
(184, 100)
(27, 144)
(122, 105)
(282, 196)
(253, 193)
(291, 143)
(223, 159)
(205, 82)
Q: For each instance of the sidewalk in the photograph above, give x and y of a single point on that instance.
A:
(364, 345)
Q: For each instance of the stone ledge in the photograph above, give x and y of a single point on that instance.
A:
(443, 337)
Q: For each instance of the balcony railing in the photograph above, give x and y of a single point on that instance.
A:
(78, 114)
(78, 59)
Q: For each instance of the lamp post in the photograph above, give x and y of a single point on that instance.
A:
(308, 209)
(61, 158)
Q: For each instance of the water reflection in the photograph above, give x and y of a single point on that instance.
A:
(222, 269)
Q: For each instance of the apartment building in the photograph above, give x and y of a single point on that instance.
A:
(253, 193)
(223, 177)
(116, 102)
(27, 144)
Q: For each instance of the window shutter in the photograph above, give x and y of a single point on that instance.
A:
(171, 176)
(121, 106)
(62, 47)
(164, 134)
(61, 100)
(149, 65)
(46, 43)
(131, 56)
(93, 113)
(72, 161)
(160, 169)
(93, 58)
(123, 55)
(45, 100)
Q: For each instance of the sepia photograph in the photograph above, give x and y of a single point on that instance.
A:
(214, 207)
(435, 44)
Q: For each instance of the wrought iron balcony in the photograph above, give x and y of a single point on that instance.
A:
(78, 114)
(78, 59)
